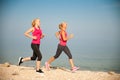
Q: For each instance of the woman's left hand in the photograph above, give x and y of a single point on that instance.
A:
(42, 36)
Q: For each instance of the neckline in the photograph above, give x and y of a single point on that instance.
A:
(37, 28)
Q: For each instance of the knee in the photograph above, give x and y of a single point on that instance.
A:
(39, 58)
(33, 58)
(70, 57)
(55, 57)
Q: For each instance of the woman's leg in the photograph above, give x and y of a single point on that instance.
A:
(51, 60)
(26, 59)
(38, 54)
(21, 59)
(71, 63)
(58, 52)
(68, 53)
(38, 65)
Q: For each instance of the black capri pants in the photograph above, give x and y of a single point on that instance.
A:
(36, 52)
(63, 48)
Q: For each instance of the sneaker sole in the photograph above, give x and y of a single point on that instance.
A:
(75, 69)
(19, 60)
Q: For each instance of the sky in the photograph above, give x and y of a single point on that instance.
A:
(94, 23)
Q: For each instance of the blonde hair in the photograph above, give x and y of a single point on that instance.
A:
(34, 22)
(61, 25)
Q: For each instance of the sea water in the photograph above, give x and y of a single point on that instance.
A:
(93, 62)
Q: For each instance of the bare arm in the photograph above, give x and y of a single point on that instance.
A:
(57, 35)
(27, 33)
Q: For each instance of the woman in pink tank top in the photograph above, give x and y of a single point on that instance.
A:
(38, 34)
(62, 46)
(62, 41)
(36, 37)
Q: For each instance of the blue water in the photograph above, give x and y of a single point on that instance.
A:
(93, 62)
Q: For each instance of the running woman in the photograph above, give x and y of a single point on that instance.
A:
(35, 44)
(62, 46)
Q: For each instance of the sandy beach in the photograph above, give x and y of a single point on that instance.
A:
(14, 72)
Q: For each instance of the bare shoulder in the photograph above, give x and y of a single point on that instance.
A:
(32, 28)
(58, 32)
(62, 32)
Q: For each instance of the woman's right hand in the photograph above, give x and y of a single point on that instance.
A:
(34, 37)
(57, 35)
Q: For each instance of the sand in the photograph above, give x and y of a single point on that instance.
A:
(14, 72)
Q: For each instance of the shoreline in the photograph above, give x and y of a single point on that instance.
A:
(14, 72)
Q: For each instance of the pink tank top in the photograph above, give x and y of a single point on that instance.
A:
(37, 33)
(62, 42)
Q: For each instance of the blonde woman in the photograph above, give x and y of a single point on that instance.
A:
(62, 46)
(36, 37)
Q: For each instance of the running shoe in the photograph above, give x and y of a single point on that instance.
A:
(39, 71)
(75, 69)
(20, 61)
(47, 66)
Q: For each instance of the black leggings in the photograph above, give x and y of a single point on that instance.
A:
(63, 48)
(36, 52)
